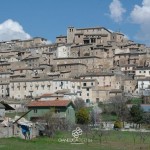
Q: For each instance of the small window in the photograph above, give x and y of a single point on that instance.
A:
(87, 101)
(97, 100)
(87, 94)
(84, 84)
(35, 110)
(87, 89)
(57, 111)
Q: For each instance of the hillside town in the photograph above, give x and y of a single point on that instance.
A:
(94, 64)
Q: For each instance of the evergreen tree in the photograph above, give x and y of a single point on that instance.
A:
(136, 113)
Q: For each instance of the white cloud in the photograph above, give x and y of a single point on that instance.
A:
(10, 29)
(141, 15)
(48, 42)
(116, 10)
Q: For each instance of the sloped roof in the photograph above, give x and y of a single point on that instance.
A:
(53, 103)
(6, 106)
(46, 95)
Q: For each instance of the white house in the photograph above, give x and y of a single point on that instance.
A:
(142, 72)
(143, 85)
(63, 51)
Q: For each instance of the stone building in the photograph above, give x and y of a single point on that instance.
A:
(88, 35)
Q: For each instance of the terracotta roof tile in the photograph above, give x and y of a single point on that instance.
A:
(49, 103)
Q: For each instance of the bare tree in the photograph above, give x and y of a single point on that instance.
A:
(119, 107)
(54, 122)
(95, 115)
(79, 103)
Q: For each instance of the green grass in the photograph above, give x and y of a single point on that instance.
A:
(111, 140)
(108, 117)
(13, 114)
(135, 101)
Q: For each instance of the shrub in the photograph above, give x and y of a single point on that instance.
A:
(118, 124)
(82, 116)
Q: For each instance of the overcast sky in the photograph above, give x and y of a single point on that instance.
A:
(50, 18)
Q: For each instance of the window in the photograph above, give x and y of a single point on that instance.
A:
(91, 83)
(42, 86)
(18, 87)
(48, 87)
(78, 87)
(87, 101)
(57, 111)
(87, 94)
(84, 84)
(87, 89)
(97, 100)
(35, 110)
(139, 71)
(93, 40)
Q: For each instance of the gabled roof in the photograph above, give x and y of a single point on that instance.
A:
(48, 103)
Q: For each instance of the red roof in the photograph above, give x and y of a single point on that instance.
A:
(54, 103)
(46, 95)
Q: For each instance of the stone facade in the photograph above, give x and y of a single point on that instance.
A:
(94, 64)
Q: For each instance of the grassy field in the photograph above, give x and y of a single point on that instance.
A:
(13, 114)
(112, 140)
(108, 117)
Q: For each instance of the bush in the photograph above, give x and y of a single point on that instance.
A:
(82, 116)
(118, 124)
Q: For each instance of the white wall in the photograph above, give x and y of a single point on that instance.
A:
(63, 51)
